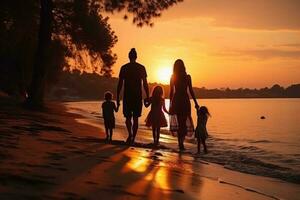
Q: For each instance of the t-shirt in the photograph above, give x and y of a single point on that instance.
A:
(132, 73)
(108, 108)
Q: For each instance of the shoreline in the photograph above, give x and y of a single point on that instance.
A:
(50, 155)
(189, 156)
(235, 156)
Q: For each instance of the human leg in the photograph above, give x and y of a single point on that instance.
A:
(182, 130)
(135, 127)
(153, 134)
(110, 134)
(198, 145)
(204, 145)
(158, 135)
(107, 133)
(129, 129)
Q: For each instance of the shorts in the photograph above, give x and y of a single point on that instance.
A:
(132, 108)
(109, 123)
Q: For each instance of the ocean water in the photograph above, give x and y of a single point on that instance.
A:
(238, 138)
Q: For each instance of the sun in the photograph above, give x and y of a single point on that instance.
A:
(163, 74)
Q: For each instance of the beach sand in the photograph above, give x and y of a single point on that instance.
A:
(50, 155)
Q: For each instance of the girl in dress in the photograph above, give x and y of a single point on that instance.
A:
(201, 131)
(156, 118)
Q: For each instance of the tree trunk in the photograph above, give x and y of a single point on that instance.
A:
(37, 86)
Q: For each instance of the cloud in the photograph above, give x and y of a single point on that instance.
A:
(261, 53)
(244, 14)
(289, 45)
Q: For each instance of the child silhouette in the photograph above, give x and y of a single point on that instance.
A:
(156, 118)
(108, 109)
(201, 131)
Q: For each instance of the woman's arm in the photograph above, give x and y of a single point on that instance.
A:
(192, 91)
(171, 93)
(171, 88)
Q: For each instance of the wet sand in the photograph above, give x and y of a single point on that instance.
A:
(50, 155)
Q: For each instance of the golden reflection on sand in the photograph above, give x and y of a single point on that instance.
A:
(138, 164)
(159, 178)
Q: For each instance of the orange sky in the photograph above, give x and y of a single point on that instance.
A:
(224, 43)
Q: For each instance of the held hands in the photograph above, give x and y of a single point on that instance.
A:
(197, 105)
(118, 105)
(168, 112)
(147, 102)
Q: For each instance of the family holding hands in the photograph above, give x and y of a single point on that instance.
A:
(133, 76)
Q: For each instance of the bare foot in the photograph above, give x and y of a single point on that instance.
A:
(128, 141)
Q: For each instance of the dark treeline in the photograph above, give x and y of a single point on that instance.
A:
(86, 86)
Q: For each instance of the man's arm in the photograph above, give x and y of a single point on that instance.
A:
(116, 108)
(119, 88)
(146, 87)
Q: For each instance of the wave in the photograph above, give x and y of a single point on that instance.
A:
(246, 140)
(261, 141)
(253, 161)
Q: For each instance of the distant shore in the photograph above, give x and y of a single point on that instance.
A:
(50, 155)
(93, 86)
(75, 99)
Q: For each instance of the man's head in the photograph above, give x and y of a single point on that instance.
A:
(132, 55)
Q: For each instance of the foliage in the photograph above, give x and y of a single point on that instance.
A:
(80, 33)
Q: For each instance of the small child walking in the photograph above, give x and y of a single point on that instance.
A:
(156, 118)
(201, 131)
(108, 109)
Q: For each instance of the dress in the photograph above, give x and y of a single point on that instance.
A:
(156, 117)
(181, 105)
(201, 131)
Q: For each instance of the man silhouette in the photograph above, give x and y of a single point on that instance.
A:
(133, 75)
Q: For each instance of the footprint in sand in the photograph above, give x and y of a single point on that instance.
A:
(91, 183)
(55, 156)
(158, 154)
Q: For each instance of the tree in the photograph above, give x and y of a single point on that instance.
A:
(37, 87)
(18, 36)
(78, 27)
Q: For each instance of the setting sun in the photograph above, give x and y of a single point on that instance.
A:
(163, 75)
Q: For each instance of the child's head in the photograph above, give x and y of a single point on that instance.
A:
(203, 111)
(108, 96)
(157, 92)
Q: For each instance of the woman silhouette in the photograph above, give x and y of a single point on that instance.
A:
(180, 107)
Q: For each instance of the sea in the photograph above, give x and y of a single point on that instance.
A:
(255, 136)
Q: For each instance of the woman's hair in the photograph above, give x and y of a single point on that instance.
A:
(108, 96)
(203, 111)
(179, 71)
(157, 93)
